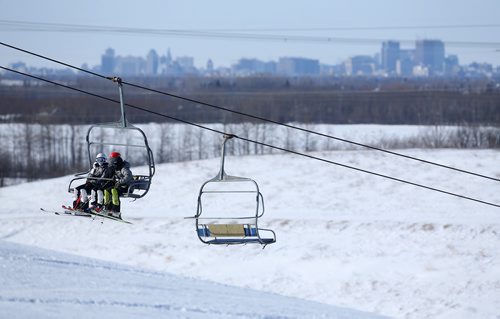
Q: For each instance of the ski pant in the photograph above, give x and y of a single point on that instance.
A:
(112, 196)
(82, 191)
(97, 196)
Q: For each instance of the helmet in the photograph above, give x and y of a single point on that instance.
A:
(114, 155)
(100, 155)
(115, 159)
(100, 159)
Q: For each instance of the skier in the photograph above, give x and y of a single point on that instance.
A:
(92, 185)
(123, 177)
(105, 174)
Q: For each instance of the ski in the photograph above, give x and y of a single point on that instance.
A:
(77, 213)
(66, 213)
(94, 213)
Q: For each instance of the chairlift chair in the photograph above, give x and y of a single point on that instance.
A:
(141, 183)
(242, 229)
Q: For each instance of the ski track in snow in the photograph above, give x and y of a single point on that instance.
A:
(344, 238)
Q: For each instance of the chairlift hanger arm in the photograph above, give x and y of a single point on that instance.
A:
(115, 79)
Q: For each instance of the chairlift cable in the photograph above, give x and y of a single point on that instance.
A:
(54, 60)
(261, 118)
(261, 143)
(241, 34)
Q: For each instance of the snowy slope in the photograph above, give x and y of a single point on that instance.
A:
(344, 238)
(37, 283)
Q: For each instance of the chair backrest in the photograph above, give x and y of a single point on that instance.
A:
(139, 183)
(226, 230)
(230, 230)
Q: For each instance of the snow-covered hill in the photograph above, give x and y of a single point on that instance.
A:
(344, 238)
(37, 283)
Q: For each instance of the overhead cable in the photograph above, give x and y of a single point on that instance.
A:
(215, 34)
(258, 142)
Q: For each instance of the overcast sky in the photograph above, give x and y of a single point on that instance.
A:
(280, 15)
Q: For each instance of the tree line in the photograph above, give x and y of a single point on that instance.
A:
(329, 100)
(35, 151)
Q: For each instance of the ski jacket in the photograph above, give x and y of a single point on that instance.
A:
(97, 171)
(124, 175)
(109, 173)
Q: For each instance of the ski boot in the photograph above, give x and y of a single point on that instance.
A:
(97, 208)
(115, 211)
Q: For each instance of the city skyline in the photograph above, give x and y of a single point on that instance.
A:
(225, 31)
(426, 58)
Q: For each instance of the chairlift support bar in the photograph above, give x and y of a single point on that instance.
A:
(222, 173)
(116, 144)
(118, 80)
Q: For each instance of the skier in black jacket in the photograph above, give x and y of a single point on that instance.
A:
(123, 177)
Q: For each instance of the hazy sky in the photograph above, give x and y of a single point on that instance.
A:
(77, 48)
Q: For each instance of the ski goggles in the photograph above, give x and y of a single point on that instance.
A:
(100, 160)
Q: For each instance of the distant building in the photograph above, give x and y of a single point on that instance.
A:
(404, 66)
(420, 71)
(168, 58)
(297, 66)
(327, 70)
(339, 69)
(254, 66)
(174, 69)
(390, 56)
(165, 63)
(451, 66)
(430, 54)
(19, 66)
(152, 63)
(269, 67)
(360, 65)
(108, 62)
(210, 66)
(185, 64)
(130, 65)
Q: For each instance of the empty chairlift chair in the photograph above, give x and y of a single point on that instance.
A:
(237, 223)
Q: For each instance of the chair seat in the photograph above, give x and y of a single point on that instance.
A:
(130, 195)
(245, 240)
(231, 234)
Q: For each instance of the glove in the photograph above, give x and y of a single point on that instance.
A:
(96, 165)
(118, 185)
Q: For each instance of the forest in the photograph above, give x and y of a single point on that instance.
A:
(304, 100)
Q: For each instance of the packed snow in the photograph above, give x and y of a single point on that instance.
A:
(37, 283)
(344, 238)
